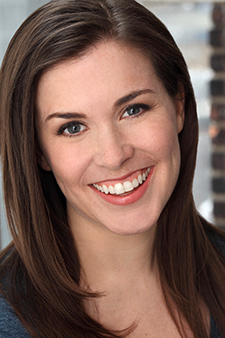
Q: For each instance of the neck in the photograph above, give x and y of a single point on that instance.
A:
(107, 258)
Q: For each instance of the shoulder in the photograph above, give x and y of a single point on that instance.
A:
(10, 325)
(218, 240)
(214, 333)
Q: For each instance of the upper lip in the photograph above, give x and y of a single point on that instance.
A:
(122, 177)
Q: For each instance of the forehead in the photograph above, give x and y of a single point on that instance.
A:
(107, 71)
(112, 52)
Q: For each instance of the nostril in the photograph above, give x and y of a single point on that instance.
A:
(112, 153)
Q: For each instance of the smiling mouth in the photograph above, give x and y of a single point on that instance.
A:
(125, 187)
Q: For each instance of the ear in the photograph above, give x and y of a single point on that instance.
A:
(42, 161)
(180, 110)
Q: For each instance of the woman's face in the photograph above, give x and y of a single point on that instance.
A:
(108, 130)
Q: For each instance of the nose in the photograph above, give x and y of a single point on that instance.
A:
(112, 150)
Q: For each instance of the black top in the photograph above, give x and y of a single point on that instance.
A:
(11, 327)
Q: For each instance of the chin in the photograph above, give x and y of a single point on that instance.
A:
(131, 230)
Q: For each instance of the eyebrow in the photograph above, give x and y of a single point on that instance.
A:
(118, 103)
(132, 96)
(65, 116)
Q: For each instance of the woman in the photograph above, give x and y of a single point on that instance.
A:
(98, 145)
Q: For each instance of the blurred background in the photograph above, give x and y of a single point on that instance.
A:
(190, 24)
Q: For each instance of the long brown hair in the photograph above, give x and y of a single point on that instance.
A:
(42, 263)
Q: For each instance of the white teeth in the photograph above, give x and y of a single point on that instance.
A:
(105, 189)
(119, 189)
(111, 189)
(135, 183)
(127, 186)
(140, 179)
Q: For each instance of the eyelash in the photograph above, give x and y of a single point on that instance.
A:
(143, 108)
(63, 128)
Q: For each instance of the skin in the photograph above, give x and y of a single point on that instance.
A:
(114, 240)
(112, 143)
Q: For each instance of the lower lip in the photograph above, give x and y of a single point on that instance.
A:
(132, 197)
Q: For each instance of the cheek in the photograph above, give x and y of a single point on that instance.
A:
(170, 155)
(69, 165)
(161, 140)
(170, 145)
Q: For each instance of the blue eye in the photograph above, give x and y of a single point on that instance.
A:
(135, 110)
(71, 128)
